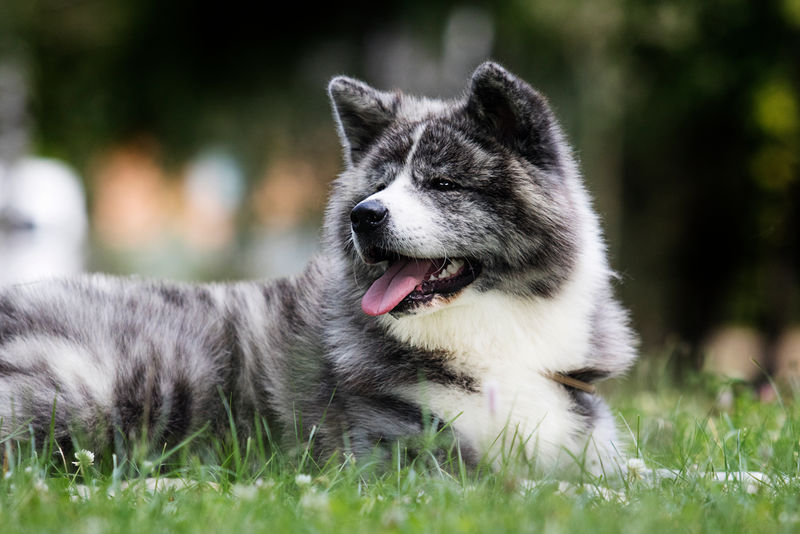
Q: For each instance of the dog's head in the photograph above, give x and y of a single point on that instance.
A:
(438, 196)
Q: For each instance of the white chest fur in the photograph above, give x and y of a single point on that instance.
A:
(507, 345)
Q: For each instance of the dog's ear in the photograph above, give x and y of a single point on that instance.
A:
(362, 114)
(509, 109)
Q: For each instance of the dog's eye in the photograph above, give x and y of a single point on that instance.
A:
(380, 187)
(441, 184)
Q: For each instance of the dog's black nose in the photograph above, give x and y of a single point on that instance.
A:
(368, 216)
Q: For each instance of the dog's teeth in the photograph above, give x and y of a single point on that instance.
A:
(453, 266)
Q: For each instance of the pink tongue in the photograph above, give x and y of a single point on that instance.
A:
(397, 282)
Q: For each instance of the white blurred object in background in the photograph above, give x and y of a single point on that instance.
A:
(43, 221)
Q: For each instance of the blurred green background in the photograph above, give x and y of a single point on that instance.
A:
(203, 137)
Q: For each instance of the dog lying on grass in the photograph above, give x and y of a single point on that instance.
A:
(462, 284)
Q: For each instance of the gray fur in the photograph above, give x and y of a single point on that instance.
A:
(497, 185)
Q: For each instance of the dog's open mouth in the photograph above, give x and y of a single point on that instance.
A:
(410, 282)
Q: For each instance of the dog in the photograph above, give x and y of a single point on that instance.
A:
(462, 284)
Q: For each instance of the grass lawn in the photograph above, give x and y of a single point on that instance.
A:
(687, 430)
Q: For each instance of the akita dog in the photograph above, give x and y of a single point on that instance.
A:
(462, 283)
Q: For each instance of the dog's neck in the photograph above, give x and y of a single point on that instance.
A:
(485, 330)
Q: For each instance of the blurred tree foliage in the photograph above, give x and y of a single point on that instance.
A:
(685, 114)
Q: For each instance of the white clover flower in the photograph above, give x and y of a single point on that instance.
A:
(315, 501)
(302, 479)
(265, 484)
(637, 464)
(636, 468)
(422, 497)
(84, 458)
(394, 517)
(40, 486)
(245, 492)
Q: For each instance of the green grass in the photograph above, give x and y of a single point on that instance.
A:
(681, 428)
